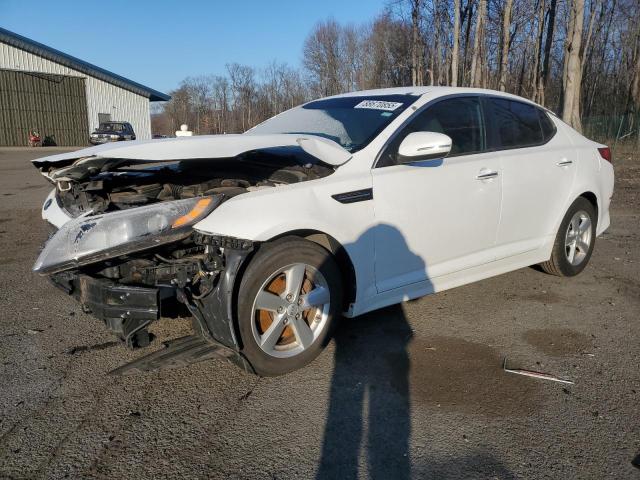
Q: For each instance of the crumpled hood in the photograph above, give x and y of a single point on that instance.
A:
(76, 165)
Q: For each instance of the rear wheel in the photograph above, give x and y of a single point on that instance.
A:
(574, 241)
(288, 300)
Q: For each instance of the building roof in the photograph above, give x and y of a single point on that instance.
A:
(87, 68)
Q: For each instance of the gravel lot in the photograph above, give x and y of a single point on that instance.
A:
(411, 391)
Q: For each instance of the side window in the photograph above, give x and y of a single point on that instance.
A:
(548, 128)
(459, 118)
(517, 124)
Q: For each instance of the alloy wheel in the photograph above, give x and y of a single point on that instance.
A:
(578, 238)
(291, 310)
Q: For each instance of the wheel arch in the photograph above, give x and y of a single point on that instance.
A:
(588, 195)
(345, 264)
(593, 200)
(558, 263)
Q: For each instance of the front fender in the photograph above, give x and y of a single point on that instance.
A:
(262, 215)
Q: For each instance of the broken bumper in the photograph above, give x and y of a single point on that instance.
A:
(124, 309)
(127, 311)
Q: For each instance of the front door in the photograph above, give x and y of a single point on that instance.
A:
(439, 216)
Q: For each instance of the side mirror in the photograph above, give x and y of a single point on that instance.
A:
(424, 146)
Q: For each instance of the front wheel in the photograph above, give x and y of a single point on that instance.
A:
(574, 241)
(289, 298)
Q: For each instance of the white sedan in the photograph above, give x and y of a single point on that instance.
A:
(338, 207)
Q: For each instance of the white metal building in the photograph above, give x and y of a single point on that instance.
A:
(39, 90)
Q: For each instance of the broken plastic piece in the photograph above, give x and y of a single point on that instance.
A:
(534, 374)
(181, 352)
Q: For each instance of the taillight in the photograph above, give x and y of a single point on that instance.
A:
(605, 152)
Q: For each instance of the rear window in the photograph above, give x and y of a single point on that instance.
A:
(518, 124)
(111, 127)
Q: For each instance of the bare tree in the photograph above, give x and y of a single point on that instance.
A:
(179, 109)
(546, 63)
(321, 57)
(243, 88)
(351, 58)
(634, 90)
(415, 43)
(594, 7)
(536, 74)
(436, 26)
(476, 59)
(220, 95)
(506, 44)
(456, 43)
(572, 77)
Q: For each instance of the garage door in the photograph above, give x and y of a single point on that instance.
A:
(50, 104)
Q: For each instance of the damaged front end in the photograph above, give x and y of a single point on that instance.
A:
(194, 276)
(127, 249)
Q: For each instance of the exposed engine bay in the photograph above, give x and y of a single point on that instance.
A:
(131, 186)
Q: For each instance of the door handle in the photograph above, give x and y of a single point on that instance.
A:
(565, 162)
(486, 174)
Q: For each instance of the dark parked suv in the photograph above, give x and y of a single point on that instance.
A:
(112, 132)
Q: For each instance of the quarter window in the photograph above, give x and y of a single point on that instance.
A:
(518, 124)
(459, 118)
(548, 128)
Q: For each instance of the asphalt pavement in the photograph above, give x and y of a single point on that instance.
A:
(411, 391)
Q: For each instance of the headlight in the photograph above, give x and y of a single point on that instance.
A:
(114, 137)
(87, 240)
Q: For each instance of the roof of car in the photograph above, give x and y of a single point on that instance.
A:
(436, 91)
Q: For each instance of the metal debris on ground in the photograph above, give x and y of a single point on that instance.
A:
(534, 374)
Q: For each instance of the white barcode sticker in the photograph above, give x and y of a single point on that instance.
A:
(379, 105)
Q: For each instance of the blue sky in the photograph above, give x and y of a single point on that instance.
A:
(158, 43)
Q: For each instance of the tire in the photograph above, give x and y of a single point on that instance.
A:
(286, 336)
(580, 240)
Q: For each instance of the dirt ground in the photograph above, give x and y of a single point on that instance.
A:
(411, 391)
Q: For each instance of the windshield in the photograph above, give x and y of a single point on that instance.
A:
(352, 122)
(111, 127)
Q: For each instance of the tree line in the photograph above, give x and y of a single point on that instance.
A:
(579, 58)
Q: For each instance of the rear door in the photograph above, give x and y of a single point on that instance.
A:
(538, 164)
